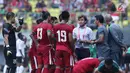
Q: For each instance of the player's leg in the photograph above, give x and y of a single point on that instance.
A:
(47, 61)
(33, 61)
(59, 63)
(66, 61)
(40, 63)
(5, 69)
(20, 67)
(51, 60)
(13, 62)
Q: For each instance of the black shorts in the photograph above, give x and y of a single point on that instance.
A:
(11, 59)
(127, 58)
(19, 59)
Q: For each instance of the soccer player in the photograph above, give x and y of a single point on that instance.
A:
(108, 66)
(43, 32)
(86, 65)
(33, 51)
(8, 31)
(64, 45)
(20, 55)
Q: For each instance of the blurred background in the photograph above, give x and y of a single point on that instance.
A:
(30, 10)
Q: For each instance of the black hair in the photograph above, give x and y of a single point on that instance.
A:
(20, 36)
(65, 15)
(45, 15)
(83, 16)
(53, 18)
(39, 21)
(108, 61)
(100, 18)
(60, 18)
(9, 15)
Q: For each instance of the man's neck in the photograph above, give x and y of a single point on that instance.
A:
(82, 26)
(9, 22)
(100, 24)
(45, 21)
(63, 21)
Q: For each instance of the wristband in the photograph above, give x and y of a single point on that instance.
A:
(7, 45)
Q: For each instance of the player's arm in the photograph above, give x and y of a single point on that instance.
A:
(34, 39)
(6, 35)
(96, 70)
(71, 41)
(101, 37)
(17, 29)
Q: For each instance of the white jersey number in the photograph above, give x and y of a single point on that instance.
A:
(61, 36)
(39, 33)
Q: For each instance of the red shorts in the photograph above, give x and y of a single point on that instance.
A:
(62, 58)
(44, 56)
(33, 59)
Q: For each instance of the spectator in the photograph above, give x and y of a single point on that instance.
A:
(82, 36)
(40, 4)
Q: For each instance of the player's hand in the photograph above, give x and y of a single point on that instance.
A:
(21, 21)
(92, 42)
(22, 59)
(9, 53)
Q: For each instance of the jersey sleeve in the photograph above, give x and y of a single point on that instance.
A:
(34, 30)
(6, 29)
(70, 29)
(74, 34)
(101, 32)
(116, 67)
(100, 67)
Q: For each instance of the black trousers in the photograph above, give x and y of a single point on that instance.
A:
(82, 53)
(10, 60)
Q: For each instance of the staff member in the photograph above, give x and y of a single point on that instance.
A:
(8, 32)
(82, 36)
(102, 47)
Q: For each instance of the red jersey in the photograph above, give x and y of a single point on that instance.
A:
(42, 33)
(86, 65)
(61, 32)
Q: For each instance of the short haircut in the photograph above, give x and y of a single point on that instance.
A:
(20, 36)
(60, 19)
(108, 61)
(39, 21)
(65, 15)
(45, 15)
(9, 15)
(83, 16)
(100, 18)
(108, 17)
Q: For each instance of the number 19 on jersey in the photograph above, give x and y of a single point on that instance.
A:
(62, 37)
